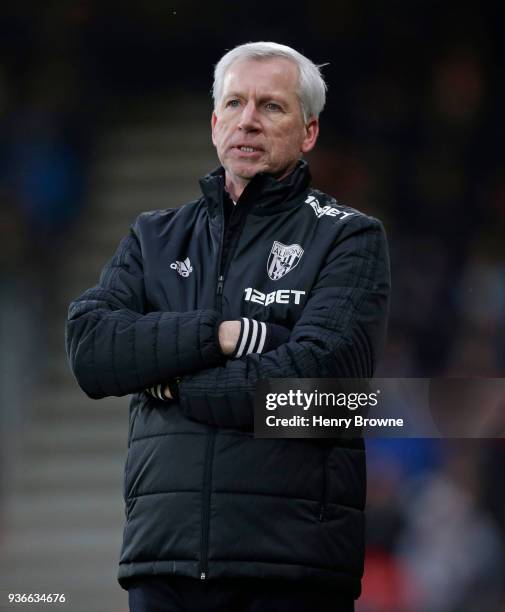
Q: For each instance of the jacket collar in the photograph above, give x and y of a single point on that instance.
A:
(264, 193)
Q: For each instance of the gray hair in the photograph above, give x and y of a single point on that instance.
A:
(311, 86)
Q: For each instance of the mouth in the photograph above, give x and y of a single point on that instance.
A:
(247, 150)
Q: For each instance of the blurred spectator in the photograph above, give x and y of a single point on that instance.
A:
(451, 545)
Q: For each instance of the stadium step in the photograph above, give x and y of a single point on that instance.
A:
(63, 516)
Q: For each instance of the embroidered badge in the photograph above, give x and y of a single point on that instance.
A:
(282, 259)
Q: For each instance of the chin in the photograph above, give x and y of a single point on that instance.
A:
(246, 170)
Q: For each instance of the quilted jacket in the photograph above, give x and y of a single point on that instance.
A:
(203, 497)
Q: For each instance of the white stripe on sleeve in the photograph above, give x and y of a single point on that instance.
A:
(253, 336)
(262, 337)
(244, 336)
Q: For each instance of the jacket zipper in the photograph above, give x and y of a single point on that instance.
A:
(232, 234)
(219, 292)
(209, 453)
(220, 266)
(210, 446)
(210, 440)
(324, 494)
(206, 505)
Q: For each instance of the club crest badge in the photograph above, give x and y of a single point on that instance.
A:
(183, 267)
(282, 259)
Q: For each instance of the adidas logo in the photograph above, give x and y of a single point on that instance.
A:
(183, 267)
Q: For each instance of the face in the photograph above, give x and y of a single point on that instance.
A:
(258, 124)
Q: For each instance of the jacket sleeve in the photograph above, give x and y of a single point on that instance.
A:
(116, 346)
(339, 334)
(255, 337)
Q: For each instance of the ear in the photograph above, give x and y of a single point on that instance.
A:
(213, 121)
(311, 134)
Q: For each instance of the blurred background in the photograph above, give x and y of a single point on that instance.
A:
(104, 112)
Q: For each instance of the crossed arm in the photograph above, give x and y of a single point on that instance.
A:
(115, 346)
(228, 335)
(115, 350)
(237, 338)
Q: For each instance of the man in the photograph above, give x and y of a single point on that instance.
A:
(262, 277)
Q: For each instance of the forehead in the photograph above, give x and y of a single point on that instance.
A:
(262, 76)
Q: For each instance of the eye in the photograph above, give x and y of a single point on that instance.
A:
(272, 106)
(233, 103)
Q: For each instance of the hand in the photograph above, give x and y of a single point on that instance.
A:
(166, 393)
(229, 332)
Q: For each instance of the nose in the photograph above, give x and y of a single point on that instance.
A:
(249, 119)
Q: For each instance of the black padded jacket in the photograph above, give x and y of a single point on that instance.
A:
(204, 498)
